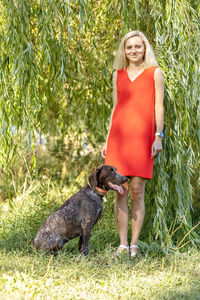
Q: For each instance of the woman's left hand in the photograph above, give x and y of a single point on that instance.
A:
(156, 147)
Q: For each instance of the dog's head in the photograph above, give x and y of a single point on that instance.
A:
(107, 178)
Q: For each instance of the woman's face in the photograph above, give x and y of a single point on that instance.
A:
(134, 50)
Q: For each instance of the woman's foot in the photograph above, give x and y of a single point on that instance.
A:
(134, 250)
(123, 248)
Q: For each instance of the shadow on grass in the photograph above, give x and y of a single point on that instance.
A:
(192, 294)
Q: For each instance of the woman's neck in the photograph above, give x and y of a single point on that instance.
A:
(135, 67)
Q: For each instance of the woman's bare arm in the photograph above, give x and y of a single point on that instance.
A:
(159, 110)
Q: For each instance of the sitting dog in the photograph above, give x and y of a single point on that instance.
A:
(80, 213)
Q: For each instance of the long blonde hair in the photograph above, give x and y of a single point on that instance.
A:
(121, 62)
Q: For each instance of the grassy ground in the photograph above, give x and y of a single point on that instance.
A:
(27, 274)
(100, 276)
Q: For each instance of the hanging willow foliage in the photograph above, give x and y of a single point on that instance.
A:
(56, 68)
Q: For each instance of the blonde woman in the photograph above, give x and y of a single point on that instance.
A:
(135, 130)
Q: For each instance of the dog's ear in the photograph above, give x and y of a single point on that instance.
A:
(94, 177)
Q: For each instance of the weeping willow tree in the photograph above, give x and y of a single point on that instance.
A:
(56, 68)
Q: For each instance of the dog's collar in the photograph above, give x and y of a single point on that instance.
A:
(98, 189)
(101, 191)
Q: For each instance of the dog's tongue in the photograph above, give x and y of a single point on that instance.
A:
(116, 187)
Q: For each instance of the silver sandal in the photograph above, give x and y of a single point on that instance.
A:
(123, 249)
(134, 254)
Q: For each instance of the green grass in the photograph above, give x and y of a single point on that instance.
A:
(100, 276)
(27, 274)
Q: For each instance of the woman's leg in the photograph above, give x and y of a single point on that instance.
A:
(121, 214)
(137, 189)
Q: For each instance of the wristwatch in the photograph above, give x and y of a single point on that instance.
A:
(160, 134)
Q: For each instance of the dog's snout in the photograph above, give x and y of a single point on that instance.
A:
(122, 178)
(125, 178)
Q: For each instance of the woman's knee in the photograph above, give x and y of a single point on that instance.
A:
(137, 192)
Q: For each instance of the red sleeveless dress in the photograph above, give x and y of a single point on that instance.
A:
(132, 130)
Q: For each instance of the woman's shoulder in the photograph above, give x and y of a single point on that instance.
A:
(158, 75)
(152, 68)
(156, 70)
(118, 71)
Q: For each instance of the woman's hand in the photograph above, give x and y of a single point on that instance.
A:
(103, 151)
(156, 147)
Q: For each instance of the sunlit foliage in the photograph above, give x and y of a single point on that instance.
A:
(56, 68)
